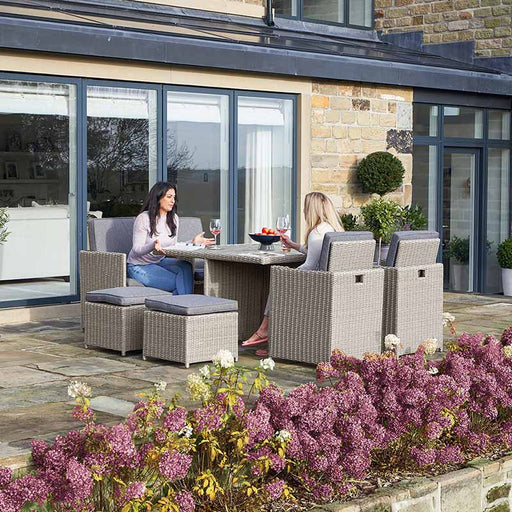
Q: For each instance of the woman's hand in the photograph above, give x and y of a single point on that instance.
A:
(287, 242)
(158, 247)
(201, 239)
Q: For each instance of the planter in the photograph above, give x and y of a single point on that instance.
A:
(506, 279)
(459, 277)
(384, 249)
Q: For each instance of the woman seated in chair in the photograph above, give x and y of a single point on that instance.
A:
(156, 229)
(321, 218)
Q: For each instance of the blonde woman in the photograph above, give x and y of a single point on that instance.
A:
(321, 218)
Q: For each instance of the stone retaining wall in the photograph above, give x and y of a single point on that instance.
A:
(486, 22)
(483, 486)
(350, 120)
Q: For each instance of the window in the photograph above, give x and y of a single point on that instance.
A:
(355, 13)
(499, 125)
(38, 186)
(463, 122)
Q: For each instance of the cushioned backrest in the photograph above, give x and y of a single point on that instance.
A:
(111, 234)
(189, 228)
(399, 236)
(330, 238)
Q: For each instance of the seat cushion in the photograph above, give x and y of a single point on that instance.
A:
(347, 236)
(406, 235)
(111, 234)
(124, 295)
(191, 304)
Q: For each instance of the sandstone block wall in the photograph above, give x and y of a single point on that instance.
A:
(486, 22)
(349, 121)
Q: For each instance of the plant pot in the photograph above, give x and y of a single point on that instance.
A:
(384, 249)
(459, 277)
(506, 279)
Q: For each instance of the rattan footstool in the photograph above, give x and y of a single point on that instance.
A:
(189, 328)
(114, 317)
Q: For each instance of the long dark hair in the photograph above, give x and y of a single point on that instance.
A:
(152, 206)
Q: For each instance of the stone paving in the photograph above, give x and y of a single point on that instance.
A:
(38, 359)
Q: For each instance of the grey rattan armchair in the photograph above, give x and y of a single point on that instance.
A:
(413, 289)
(337, 307)
(110, 241)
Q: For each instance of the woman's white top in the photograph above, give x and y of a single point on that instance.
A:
(314, 248)
(143, 243)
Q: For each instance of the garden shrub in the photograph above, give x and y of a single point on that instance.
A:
(504, 254)
(380, 172)
(379, 414)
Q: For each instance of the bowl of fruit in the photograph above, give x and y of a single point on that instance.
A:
(265, 238)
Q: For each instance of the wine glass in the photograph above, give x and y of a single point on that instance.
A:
(282, 226)
(215, 229)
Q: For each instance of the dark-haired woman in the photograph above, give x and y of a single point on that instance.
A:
(156, 229)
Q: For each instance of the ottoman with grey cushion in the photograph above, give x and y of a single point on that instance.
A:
(189, 328)
(114, 317)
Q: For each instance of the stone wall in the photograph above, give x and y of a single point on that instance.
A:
(349, 121)
(486, 22)
(483, 486)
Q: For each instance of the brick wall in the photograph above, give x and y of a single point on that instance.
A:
(349, 121)
(486, 22)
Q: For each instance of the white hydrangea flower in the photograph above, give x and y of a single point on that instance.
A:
(283, 435)
(430, 345)
(507, 350)
(77, 388)
(186, 431)
(267, 364)
(205, 372)
(448, 318)
(160, 386)
(391, 342)
(433, 370)
(223, 359)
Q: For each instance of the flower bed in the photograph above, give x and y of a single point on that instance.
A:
(364, 419)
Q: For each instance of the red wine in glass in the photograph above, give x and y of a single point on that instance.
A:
(215, 230)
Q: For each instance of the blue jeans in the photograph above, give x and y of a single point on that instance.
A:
(170, 274)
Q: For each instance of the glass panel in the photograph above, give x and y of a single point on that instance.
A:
(286, 7)
(198, 155)
(499, 124)
(424, 181)
(325, 10)
(121, 149)
(360, 13)
(265, 163)
(425, 120)
(458, 229)
(463, 122)
(498, 212)
(38, 189)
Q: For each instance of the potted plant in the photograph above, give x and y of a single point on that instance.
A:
(504, 255)
(380, 172)
(413, 218)
(382, 218)
(458, 251)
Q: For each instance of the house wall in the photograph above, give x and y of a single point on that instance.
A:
(486, 22)
(253, 8)
(349, 121)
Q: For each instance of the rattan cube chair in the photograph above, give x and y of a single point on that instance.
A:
(413, 289)
(338, 306)
(114, 317)
(189, 328)
(110, 241)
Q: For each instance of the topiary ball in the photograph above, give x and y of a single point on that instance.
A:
(505, 254)
(380, 172)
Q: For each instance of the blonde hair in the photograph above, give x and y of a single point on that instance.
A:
(318, 208)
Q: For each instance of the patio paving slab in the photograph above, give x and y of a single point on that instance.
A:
(112, 405)
(85, 366)
(20, 376)
(19, 357)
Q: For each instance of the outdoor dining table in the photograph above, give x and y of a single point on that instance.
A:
(240, 272)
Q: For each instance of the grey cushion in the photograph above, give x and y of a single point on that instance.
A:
(189, 228)
(406, 235)
(124, 296)
(191, 304)
(116, 234)
(347, 236)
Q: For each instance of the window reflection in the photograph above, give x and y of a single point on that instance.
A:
(499, 125)
(463, 122)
